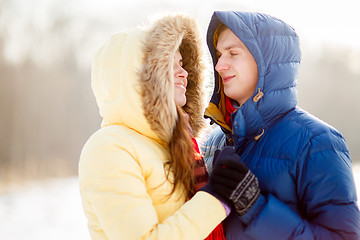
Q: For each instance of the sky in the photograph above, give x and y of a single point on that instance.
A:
(318, 22)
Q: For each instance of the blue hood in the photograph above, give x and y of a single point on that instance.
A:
(276, 50)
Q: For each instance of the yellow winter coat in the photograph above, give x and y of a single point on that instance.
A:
(122, 176)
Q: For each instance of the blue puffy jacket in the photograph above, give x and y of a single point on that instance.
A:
(302, 164)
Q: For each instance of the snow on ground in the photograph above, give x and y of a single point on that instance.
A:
(45, 210)
(52, 210)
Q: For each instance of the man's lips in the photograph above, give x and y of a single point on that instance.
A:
(227, 78)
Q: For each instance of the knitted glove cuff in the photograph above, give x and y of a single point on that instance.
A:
(245, 194)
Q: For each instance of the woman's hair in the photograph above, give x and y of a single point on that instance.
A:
(182, 155)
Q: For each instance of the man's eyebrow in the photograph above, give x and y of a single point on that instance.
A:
(228, 48)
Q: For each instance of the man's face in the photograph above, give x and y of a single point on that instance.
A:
(236, 67)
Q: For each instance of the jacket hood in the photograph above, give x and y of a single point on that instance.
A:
(132, 77)
(276, 50)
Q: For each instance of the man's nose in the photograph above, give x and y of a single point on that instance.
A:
(221, 65)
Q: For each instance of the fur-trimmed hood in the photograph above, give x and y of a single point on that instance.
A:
(132, 77)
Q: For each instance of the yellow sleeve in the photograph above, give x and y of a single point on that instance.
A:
(114, 193)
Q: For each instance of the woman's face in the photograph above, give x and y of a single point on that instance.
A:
(180, 80)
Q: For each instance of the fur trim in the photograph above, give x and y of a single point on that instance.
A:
(156, 75)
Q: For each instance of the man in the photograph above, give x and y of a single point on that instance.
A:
(303, 186)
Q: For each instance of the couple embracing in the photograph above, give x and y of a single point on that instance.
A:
(269, 170)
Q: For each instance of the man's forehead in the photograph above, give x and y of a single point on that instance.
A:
(229, 44)
(227, 38)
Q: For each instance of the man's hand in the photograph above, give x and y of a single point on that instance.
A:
(232, 180)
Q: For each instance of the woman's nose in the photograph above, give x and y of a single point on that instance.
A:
(181, 73)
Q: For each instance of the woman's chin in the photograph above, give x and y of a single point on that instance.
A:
(180, 101)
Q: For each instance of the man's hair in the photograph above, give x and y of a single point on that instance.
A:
(222, 27)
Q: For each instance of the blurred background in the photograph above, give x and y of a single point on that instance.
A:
(48, 110)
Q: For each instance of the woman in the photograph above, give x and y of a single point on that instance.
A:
(137, 172)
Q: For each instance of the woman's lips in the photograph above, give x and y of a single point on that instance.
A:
(181, 86)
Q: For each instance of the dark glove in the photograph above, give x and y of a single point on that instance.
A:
(209, 188)
(232, 180)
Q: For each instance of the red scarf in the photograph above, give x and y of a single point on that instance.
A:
(201, 178)
(229, 110)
